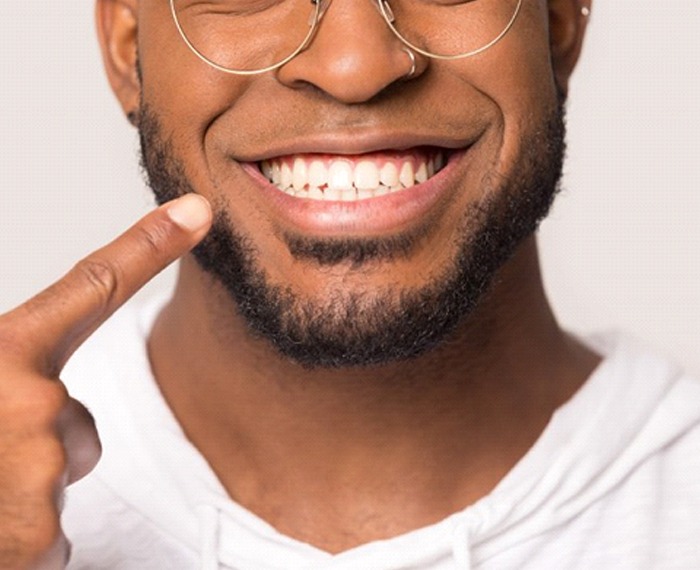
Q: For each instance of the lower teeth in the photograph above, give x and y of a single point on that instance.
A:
(335, 194)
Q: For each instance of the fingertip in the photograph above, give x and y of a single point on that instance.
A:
(191, 212)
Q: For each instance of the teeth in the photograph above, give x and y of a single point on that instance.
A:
(406, 175)
(431, 167)
(346, 180)
(389, 175)
(285, 175)
(317, 174)
(340, 175)
(299, 174)
(439, 162)
(366, 175)
(315, 193)
(348, 195)
(331, 193)
(266, 169)
(422, 173)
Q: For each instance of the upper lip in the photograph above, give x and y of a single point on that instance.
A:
(353, 143)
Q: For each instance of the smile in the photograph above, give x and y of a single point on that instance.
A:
(325, 177)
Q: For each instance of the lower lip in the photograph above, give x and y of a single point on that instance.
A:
(374, 216)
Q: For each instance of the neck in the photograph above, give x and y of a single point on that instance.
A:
(340, 457)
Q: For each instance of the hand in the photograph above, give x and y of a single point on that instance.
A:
(47, 439)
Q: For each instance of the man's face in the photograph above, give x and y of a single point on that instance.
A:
(337, 283)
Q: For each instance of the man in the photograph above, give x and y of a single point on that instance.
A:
(358, 367)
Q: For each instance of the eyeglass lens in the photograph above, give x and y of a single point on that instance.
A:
(252, 35)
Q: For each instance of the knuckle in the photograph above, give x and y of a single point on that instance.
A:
(47, 400)
(36, 462)
(101, 275)
(34, 406)
(54, 462)
(153, 238)
(52, 396)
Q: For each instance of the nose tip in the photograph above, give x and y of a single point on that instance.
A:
(349, 77)
(353, 56)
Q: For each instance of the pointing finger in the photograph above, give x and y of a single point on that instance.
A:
(52, 325)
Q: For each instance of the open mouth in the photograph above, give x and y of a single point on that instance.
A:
(327, 177)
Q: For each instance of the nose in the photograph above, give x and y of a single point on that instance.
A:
(353, 56)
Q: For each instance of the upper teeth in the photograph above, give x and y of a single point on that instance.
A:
(345, 178)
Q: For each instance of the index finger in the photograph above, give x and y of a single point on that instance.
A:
(53, 324)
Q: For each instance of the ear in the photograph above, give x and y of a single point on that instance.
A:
(567, 25)
(117, 30)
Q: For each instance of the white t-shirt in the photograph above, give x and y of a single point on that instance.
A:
(613, 482)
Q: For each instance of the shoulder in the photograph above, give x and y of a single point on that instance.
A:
(656, 416)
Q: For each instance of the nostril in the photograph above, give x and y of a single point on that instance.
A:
(350, 73)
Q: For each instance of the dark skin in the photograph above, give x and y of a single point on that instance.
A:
(376, 451)
(371, 459)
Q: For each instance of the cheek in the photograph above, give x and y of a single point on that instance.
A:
(517, 77)
(526, 77)
(187, 97)
(187, 94)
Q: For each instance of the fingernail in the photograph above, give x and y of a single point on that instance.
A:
(191, 212)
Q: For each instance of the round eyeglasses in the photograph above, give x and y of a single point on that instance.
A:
(247, 37)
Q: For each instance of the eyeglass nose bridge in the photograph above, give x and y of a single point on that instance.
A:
(382, 7)
(326, 3)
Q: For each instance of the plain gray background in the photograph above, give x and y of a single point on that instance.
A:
(621, 249)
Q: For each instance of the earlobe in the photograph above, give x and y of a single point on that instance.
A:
(567, 25)
(117, 32)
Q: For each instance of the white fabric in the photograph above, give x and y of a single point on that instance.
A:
(613, 482)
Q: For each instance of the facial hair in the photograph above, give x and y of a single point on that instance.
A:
(360, 328)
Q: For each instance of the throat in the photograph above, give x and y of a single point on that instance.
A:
(338, 463)
(338, 458)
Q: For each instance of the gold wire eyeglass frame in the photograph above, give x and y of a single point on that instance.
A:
(320, 7)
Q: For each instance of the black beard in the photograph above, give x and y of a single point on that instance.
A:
(371, 327)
